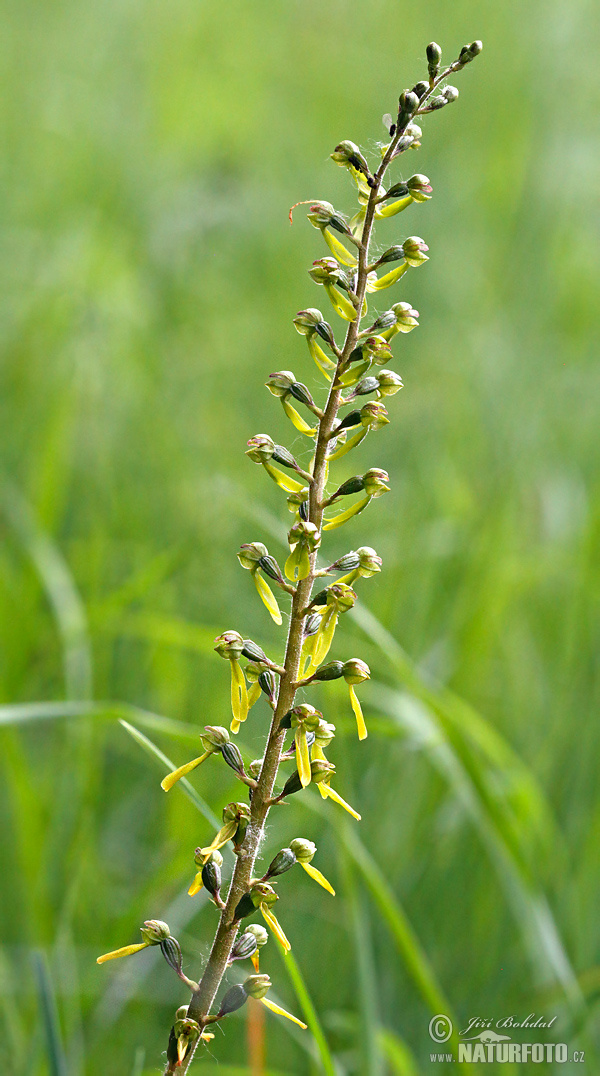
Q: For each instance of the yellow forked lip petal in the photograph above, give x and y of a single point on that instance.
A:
(196, 885)
(282, 1012)
(268, 599)
(275, 927)
(239, 694)
(318, 877)
(225, 834)
(347, 514)
(344, 256)
(296, 419)
(360, 721)
(328, 792)
(347, 447)
(290, 485)
(126, 950)
(302, 756)
(172, 778)
(324, 636)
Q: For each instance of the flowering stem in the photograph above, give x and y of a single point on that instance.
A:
(290, 673)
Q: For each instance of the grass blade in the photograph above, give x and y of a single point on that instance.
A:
(168, 765)
(49, 1013)
(309, 1012)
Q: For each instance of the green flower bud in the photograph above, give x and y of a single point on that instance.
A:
(271, 568)
(319, 769)
(235, 997)
(396, 253)
(280, 382)
(300, 392)
(374, 415)
(348, 154)
(268, 683)
(384, 321)
(232, 756)
(365, 386)
(450, 93)
(407, 106)
(421, 89)
(434, 59)
(435, 103)
(312, 624)
(243, 947)
(375, 482)
(283, 456)
(255, 767)
(257, 932)
(355, 671)
(389, 383)
(181, 1012)
(283, 861)
(250, 554)
(171, 950)
(332, 671)
(260, 448)
(229, 645)
(211, 875)
(369, 562)
(350, 486)
(347, 563)
(253, 651)
(154, 931)
(257, 986)
(303, 850)
(469, 52)
(215, 736)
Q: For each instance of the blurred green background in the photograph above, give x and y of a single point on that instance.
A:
(148, 280)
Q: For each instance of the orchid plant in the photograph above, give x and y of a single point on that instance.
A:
(319, 593)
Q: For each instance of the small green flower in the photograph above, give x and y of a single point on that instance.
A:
(230, 646)
(254, 556)
(154, 931)
(304, 539)
(311, 324)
